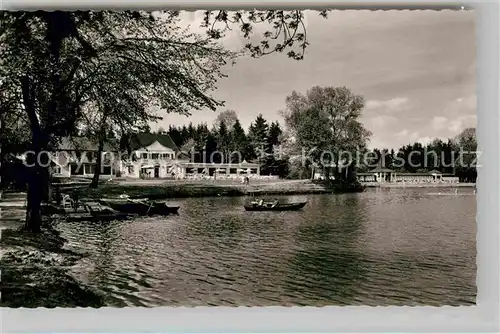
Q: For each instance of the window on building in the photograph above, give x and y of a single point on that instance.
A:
(106, 170)
(144, 155)
(76, 169)
(89, 169)
(154, 156)
(56, 169)
(90, 156)
(130, 169)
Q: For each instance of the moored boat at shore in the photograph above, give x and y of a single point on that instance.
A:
(142, 207)
(97, 213)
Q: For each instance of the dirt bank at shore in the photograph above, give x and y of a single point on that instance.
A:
(188, 189)
(35, 271)
(161, 189)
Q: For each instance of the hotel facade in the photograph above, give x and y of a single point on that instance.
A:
(152, 156)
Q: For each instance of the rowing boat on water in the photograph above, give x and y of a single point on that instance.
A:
(273, 206)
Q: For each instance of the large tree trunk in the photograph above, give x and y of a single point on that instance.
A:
(38, 182)
(38, 185)
(37, 176)
(336, 169)
(34, 200)
(98, 166)
(59, 26)
(327, 175)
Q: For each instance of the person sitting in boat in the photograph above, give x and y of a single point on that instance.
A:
(261, 202)
(275, 203)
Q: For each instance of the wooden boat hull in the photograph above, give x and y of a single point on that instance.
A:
(162, 208)
(141, 208)
(279, 207)
(125, 200)
(173, 209)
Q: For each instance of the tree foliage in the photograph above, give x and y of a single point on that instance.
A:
(235, 144)
(228, 116)
(325, 122)
(286, 30)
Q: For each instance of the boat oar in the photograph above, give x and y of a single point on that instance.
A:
(149, 209)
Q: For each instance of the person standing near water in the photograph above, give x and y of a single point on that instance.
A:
(75, 200)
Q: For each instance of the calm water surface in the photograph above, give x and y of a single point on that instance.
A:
(380, 247)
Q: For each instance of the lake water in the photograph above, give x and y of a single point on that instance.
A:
(380, 247)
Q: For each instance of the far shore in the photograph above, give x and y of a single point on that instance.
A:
(163, 189)
(419, 185)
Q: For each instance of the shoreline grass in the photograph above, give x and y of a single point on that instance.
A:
(167, 190)
(419, 185)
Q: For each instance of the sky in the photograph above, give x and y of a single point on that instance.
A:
(415, 69)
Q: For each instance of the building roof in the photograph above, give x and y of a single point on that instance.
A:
(86, 144)
(141, 140)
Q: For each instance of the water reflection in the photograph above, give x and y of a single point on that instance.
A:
(390, 247)
(327, 268)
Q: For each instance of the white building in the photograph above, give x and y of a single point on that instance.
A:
(78, 157)
(151, 156)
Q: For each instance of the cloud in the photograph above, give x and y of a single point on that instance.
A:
(425, 140)
(462, 105)
(376, 142)
(380, 122)
(395, 104)
(401, 134)
(462, 122)
(406, 136)
(439, 122)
